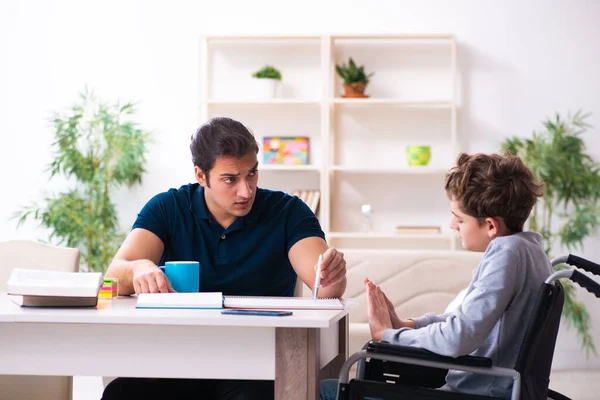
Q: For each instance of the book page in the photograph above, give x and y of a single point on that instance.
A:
(284, 303)
(53, 283)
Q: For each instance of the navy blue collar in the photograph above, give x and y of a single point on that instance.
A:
(200, 210)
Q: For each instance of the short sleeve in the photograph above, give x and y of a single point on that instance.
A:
(154, 216)
(302, 223)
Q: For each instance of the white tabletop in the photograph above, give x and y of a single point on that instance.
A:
(122, 310)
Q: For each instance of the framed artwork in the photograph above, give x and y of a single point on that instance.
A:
(285, 150)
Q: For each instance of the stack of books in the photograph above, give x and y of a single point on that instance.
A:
(310, 197)
(38, 288)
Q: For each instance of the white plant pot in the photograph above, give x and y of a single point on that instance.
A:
(266, 89)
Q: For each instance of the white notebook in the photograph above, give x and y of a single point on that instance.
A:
(217, 300)
(54, 283)
(282, 303)
(180, 300)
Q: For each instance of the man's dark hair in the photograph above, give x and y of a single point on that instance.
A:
(493, 185)
(220, 136)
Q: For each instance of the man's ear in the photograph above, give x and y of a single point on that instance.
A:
(493, 227)
(201, 178)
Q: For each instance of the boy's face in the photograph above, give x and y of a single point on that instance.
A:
(230, 191)
(475, 236)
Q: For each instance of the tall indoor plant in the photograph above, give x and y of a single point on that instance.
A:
(570, 209)
(97, 148)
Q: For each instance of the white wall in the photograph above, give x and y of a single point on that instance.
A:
(520, 60)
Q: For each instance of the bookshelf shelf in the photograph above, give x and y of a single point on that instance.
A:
(386, 235)
(391, 170)
(250, 102)
(268, 167)
(356, 146)
(393, 103)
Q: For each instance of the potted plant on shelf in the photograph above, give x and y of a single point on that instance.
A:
(569, 212)
(355, 79)
(267, 82)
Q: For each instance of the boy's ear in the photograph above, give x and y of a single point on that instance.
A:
(200, 176)
(493, 227)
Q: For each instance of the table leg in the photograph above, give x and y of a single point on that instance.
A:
(297, 359)
(296, 364)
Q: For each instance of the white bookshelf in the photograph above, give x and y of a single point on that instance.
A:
(392, 102)
(356, 152)
(274, 102)
(392, 170)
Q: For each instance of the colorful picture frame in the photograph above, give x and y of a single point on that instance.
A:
(292, 150)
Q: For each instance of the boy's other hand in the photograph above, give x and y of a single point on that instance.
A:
(396, 321)
(378, 313)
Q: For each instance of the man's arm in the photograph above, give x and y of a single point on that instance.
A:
(135, 264)
(303, 256)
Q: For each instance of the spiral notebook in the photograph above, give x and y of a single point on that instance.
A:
(282, 303)
(217, 300)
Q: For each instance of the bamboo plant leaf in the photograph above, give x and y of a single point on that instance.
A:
(557, 156)
(101, 149)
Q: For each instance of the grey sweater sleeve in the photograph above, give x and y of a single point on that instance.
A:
(464, 330)
(428, 319)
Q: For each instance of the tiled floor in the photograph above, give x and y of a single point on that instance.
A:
(579, 385)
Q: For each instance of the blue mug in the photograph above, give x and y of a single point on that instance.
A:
(183, 275)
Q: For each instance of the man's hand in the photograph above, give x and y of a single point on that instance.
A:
(333, 267)
(377, 311)
(148, 278)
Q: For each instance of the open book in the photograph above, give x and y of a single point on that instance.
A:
(217, 300)
(40, 288)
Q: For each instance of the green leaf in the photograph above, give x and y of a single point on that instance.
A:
(352, 74)
(267, 72)
(100, 149)
(558, 156)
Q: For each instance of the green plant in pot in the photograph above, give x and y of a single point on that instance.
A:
(569, 212)
(268, 79)
(98, 149)
(355, 79)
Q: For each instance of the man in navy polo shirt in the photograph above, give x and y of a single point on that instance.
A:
(248, 241)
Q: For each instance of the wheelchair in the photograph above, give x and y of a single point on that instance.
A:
(382, 366)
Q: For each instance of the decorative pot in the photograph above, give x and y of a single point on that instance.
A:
(355, 90)
(266, 88)
(418, 155)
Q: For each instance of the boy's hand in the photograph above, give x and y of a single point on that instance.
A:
(396, 321)
(378, 313)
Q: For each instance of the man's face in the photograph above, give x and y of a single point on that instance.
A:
(231, 187)
(473, 235)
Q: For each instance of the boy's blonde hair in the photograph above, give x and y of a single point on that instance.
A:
(493, 185)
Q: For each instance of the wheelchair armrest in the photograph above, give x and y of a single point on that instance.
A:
(422, 354)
